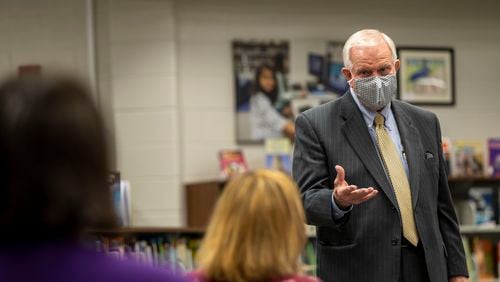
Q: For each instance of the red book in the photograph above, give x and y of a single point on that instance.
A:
(232, 162)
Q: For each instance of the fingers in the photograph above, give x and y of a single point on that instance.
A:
(367, 197)
(346, 191)
(346, 194)
(340, 174)
(355, 196)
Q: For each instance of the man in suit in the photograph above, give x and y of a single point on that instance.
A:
(373, 181)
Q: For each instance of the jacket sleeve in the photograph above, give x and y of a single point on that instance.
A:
(310, 171)
(448, 222)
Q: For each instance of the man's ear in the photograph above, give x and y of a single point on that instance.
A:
(397, 64)
(347, 73)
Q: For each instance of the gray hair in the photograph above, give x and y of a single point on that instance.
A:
(366, 37)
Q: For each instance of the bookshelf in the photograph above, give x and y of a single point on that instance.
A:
(170, 246)
(474, 230)
(164, 247)
(460, 187)
(479, 181)
(150, 230)
(481, 242)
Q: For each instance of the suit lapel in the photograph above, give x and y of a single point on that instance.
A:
(356, 132)
(411, 144)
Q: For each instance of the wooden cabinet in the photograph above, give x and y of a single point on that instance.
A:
(201, 198)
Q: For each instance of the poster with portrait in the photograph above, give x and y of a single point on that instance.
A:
(260, 69)
(276, 80)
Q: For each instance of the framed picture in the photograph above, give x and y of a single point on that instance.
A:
(426, 75)
(273, 85)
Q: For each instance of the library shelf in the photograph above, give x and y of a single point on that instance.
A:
(479, 230)
(479, 181)
(150, 230)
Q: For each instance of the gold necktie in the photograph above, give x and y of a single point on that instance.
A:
(397, 175)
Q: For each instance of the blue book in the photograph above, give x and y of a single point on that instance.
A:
(482, 199)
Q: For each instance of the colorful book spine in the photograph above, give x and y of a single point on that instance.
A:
(170, 252)
(494, 157)
(468, 158)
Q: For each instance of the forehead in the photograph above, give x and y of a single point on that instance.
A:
(266, 71)
(371, 55)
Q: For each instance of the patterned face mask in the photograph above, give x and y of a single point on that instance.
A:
(376, 92)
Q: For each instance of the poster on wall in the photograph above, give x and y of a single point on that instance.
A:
(276, 80)
(426, 76)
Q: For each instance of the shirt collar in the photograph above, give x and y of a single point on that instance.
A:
(368, 115)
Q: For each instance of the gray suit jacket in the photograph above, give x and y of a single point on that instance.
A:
(365, 244)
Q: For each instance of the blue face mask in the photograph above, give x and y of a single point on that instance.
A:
(376, 92)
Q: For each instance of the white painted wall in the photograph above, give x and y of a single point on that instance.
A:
(50, 33)
(138, 77)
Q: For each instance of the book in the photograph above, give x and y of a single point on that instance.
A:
(469, 259)
(125, 208)
(494, 157)
(498, 258)
(279, 154)
(484, 258)
(309, 259)
(232, 162)
(167, 251)
(447, 153)
(465, 210)
(120, 195)
(482, 200)
(468, 158)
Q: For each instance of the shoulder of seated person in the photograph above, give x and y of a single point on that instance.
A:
(300, 279)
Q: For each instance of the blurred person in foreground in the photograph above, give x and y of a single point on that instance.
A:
(373, 179)
(256, 232)
(54, 169)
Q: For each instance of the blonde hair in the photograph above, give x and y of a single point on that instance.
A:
(366, 37)
(257, 230)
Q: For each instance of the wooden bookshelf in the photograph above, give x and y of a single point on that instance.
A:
(478, 181)
(479, 230)
(459, 187)
(151, 230)
(491, 232)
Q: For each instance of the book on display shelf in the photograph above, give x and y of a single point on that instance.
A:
(279, 154)
(484, 258)
(494, 157)
(468, 158)
(482, 201)
(232, 162)
(168, 251)
(447, 153)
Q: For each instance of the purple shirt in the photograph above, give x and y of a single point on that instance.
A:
(71, 262)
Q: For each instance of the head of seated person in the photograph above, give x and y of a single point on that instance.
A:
(53, 161)
(256, 232)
